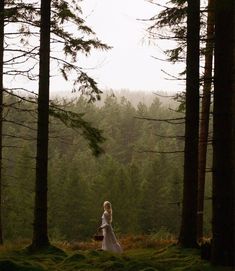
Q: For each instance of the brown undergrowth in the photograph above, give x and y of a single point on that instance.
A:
(127, 242)
(141, 253)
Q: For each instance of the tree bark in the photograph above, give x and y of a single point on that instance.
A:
(1, 107)
(40, 235)
(188, 233)
(205, 117)
(223, 219)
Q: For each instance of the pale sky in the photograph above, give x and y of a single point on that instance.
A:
(129, 64)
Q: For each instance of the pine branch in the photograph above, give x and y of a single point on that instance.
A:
(76, 121)
(19, 124)
(170, 121)
(174, 137)
(160, 152)
(164, 96)
(28, 138)
(12, 146)
(23, 53)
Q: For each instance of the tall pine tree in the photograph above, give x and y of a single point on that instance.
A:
(188, 232)
(40, 235)
(205, 117)
(1, 105)
(223, 219)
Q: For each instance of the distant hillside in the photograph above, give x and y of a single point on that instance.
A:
(134, 96)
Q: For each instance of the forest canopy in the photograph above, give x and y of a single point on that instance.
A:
(145, 187)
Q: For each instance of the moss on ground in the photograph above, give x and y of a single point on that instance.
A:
(164, 258)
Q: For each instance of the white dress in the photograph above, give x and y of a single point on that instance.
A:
(109, 242)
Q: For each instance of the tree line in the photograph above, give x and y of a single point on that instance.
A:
(143, 181)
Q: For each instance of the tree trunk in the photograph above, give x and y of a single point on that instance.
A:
(205, 117)
(40, 236)
(188, 233)
(223, 219)
(1, 106)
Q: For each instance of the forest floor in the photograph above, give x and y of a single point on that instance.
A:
(140, 254)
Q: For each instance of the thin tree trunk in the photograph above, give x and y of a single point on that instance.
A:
(223, 219)
(205, 116)
(188, 233)
(40, 235)
(1, 107)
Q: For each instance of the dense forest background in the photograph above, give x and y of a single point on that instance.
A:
(141, 171)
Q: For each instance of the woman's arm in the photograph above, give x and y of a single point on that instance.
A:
(106, 222)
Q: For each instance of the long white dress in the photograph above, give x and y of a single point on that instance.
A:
(109, 242)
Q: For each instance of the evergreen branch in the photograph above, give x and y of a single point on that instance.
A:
(170, 121)
(18, 137)
(73, 45)
(9, 91)
(75, 121)
(12, 146)
(21, 72)
(23, 54)
(84, 83)
(157, 4)
(159, 152)
(17, 34)
(175, 110)
(19, 124)
(173, 77)
(21, 109)
(176, 137)
(88, 87)
(164, 96)
(11, 104)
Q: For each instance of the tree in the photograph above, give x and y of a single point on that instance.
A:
(188, 232)
(173, 18)
(88, 86)
(223, 217)
(7, 13)
(1, 105)
(40, 236)
(205, 116)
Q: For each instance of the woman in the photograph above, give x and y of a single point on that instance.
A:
(109, 242)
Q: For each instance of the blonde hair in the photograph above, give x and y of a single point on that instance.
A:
(108, 207)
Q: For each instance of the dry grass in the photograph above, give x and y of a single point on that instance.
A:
(16, 245)
(141, 253)
(127, 242)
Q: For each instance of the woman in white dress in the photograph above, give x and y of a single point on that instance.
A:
(109, 242)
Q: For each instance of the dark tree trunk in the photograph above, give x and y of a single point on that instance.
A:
(188, 233)
(205, 116)
(223, 220)
(1, 106)
(40, 236)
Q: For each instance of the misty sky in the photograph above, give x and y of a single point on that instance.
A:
(129, 64)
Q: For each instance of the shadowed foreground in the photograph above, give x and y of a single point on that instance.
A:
(153, 257)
